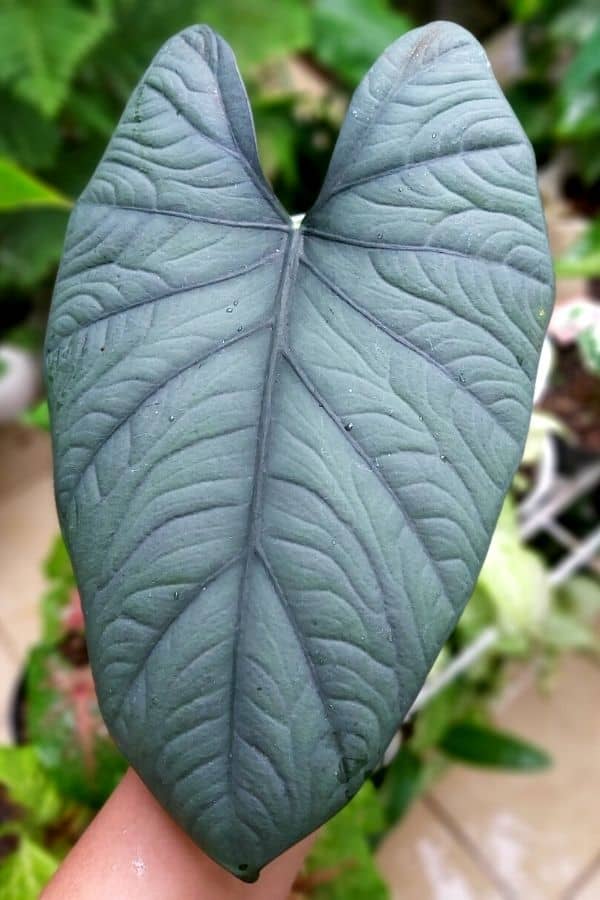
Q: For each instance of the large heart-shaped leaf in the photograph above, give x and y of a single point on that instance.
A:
(280, 453)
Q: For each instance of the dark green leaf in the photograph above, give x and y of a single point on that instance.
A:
(579, 90)
(28, 336)
(30, 245)
(42, 43)
(350, 34)
(26, 135)
(119, 61)
(483, 746)
(535, 105)
(402, 783)
(281, 453)
(276, 133)
(261, 30)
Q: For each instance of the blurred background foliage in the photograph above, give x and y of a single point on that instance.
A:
(67, 68)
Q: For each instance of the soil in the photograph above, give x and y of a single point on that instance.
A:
(574, 399)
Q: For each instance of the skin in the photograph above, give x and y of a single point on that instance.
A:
(133, 850)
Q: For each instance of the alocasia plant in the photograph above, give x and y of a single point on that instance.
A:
(280, 451)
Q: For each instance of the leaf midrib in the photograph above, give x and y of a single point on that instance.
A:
(288, 271)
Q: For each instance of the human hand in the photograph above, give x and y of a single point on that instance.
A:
(133, 850)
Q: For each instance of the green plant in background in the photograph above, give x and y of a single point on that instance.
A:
(138, 607)
(558, 102)
(66, 70)
(30, 805)
(50, 786)
(341, 865)
(557, 96)
(583, 257)
(349, 34)
(20, 190)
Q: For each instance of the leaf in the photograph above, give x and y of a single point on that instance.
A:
(280, 454)
(350, 34)
(30, 245)
(579, 90)
(524, 10)
(581, 595)
(117, 60)
(43, 43)
(28, 785)
(27, 136)
(26, 871)
(514, 578)
(64, 722)
(438, 714)
(59, 606)
(564, 631)
(20, 190)
(38, 416)
(403, 781)
(341, 864)
(582, 259)
(483, 746)
(28, 336)
(261, 31)
(535, 105)
(276, 134)
(57, 564)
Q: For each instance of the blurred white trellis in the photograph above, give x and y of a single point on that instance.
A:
(553, 493)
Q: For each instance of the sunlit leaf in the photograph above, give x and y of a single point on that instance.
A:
(25, 871)
(21, 190)
(28, 785)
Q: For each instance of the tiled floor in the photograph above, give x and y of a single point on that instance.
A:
(526, 837)
(477, 835)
